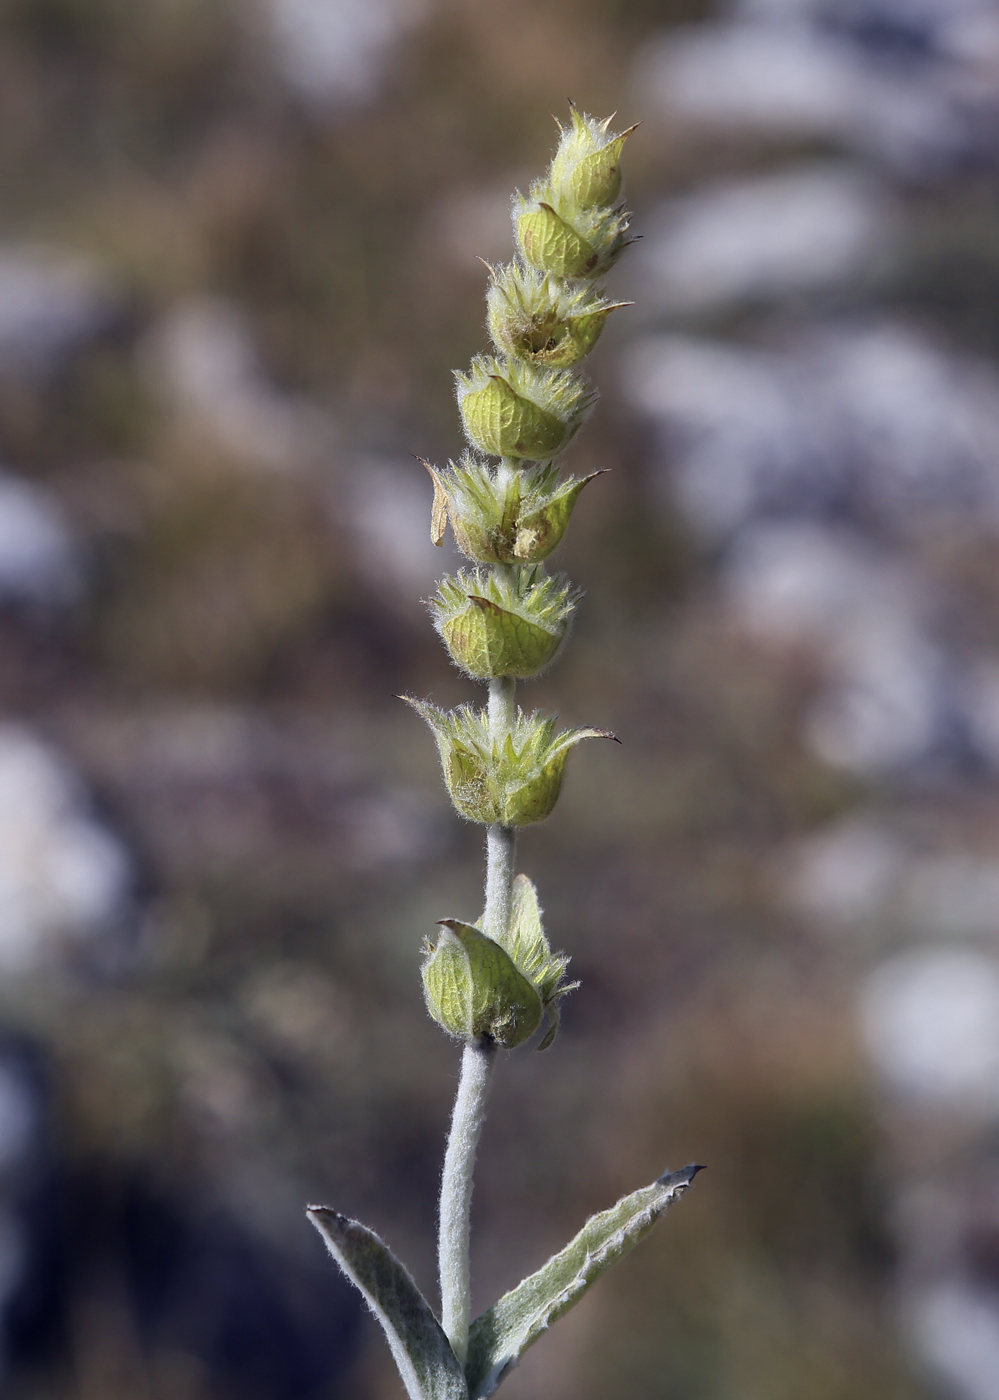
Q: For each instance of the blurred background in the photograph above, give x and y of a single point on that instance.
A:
(238, 245)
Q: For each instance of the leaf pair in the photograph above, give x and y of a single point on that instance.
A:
(500, 1336)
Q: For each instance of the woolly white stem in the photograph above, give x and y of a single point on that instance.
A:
(477, 1059)
(456, 1193)
(501, 841)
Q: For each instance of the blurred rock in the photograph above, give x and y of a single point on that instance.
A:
(873, 421)
(335, 51)
(930, 1021)
(845, 877)
(764, 77)
(955, 1331)
(866, 876)
(914, 85)
(386, 508)
(51, 303)
(63, 876)
(39, 558)
(801, 582)
(888, 707)
(888, 700)
(802, 228)
(202, 360)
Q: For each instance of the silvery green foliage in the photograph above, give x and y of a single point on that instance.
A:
(494, 984)
(502, 1334)
(427, 1365)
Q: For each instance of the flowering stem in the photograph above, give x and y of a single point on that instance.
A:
(478, 1057)
(456, 1192)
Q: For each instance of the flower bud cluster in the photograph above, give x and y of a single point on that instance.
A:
(517, 519)
(544, 313)
(504, 624)
(510, 782)
(516, 408)
(505, 619)
(535, 317)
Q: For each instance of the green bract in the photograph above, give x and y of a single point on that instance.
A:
(586, 170)
(475, 991)
(515, 409)
(568, 242)
(513, 783)
(535, 318)
(477, 987)
(509, 624)
(519, 520)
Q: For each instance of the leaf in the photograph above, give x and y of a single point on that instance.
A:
(428, 1367)
(500, 1336)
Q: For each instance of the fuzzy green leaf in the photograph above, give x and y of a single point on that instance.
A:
(428, 1367)
(500, 1336)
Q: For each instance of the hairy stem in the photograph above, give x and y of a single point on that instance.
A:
(477, 1059)
(501, 841)
(456, 1193)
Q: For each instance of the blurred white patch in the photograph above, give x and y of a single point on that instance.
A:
(471, 224)
(800, 582)
(202, 359)
(387, 509)
(767, 78)
(333, 51)
(844, 878)
(917, 87)
(887, 704)
(50, 302)
(727, 418)
(860, 614)
(930, 1021)
(790, 232)
(860, 876)
(62, 875)
(955, 1330)
(875, 420)
(39, 558)
(872, 423)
